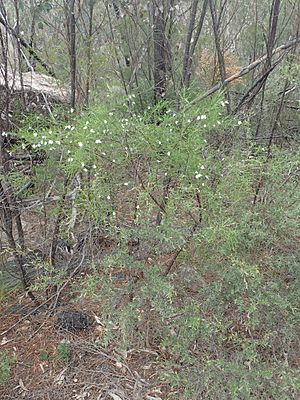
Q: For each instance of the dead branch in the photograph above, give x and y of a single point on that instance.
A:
(245, 70)
(27, 46)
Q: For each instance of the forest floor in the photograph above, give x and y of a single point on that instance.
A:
(48, 363)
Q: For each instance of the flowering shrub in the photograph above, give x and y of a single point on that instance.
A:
(203, 232)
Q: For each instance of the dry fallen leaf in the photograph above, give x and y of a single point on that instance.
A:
(153, 398)
(5, 341)
(114, 396)
(22, 386)
(98, 320)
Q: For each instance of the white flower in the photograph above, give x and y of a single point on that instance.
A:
(57, 142)
(204, 126)
(222, 104)
(202, 167)
(126, 183)
(92, 131)
(197, 176)
(50, 142)
(239, 122)
(103, 153)
(70, 159)
(203, 184)
(68, 127)
(105, 121)
(108, 197)
(98, 141)
(50, 132)
(80, 144)
(82, 164)
(35, 134)
(71, 110)
(203, 116)
(85, 127)
(168, 153)
(198, 118)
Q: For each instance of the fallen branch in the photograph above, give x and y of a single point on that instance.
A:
(27, 46)
(245, 70)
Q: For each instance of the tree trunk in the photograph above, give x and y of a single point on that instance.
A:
(159, 53)
(72, 50)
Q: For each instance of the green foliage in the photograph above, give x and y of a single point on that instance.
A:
(6, 362)
(44, 355)
(63, 351)
(226, 311)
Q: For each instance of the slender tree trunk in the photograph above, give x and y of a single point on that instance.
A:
(220, 54)
(191, 42)
(89, 52)
(159, 53)
(267, 67)
(188, 42)
(20, 72)
(72, 50)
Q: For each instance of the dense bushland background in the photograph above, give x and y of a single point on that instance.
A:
(162, 195)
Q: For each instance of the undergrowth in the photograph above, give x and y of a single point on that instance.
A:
(204, 226)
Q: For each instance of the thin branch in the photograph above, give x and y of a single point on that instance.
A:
(245, 70)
